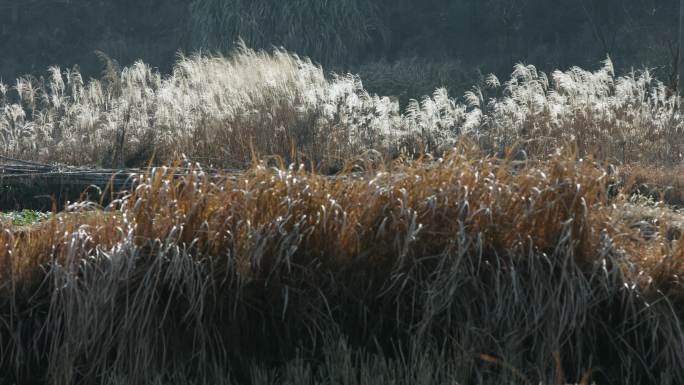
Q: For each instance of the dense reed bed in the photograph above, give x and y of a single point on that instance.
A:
(228, 110)
(464, 269)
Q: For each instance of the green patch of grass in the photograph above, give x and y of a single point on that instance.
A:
(24, 217)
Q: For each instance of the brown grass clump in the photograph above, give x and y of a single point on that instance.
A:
(407, 275)
(660, 183)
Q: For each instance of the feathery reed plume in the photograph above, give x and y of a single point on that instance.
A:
(224, 110)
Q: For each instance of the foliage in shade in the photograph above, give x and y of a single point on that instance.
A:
(406, 79)
(331, 31)
(491, 35)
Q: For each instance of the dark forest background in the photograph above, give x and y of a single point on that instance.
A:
(400, 47)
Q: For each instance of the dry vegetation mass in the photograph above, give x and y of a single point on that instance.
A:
(456, 244)
(465, 269)
(227, 110)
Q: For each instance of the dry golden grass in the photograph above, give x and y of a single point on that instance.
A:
(282, 275)
(661, 183)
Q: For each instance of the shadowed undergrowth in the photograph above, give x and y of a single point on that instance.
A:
(464, 269)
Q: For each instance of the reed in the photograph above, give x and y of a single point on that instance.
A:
(227, 111)
(467, 268)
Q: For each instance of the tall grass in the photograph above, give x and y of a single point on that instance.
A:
(226, 111)
(211, 108)
(466, 269)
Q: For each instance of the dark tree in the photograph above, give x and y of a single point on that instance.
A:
(484, 35)
(680, 55)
